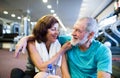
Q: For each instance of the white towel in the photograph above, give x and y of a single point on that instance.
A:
(54, 48)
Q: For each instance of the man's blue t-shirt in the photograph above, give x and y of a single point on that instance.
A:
(86, 64)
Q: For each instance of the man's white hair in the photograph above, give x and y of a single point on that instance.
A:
(92, 25)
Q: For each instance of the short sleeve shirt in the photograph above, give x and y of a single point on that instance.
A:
(86, 64)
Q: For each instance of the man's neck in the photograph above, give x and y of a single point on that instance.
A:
(85, 46)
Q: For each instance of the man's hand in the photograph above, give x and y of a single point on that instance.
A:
(21, 46)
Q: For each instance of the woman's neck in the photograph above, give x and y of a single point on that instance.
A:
(48, 45)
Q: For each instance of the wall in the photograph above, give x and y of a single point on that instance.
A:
(106, 12)
(5, 21)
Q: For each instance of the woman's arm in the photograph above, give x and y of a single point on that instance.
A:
(64, 68)
(22, 43)
(37, 59)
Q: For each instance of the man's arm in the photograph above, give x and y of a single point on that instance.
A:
(102, 74)
(64, 68)
(104, 66)
(22, 43)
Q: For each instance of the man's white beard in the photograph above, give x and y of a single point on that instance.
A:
(83, 41)
(74, 42)
(79, 42)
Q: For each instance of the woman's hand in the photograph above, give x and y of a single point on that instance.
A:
(45, 75)
(66, 46)
(21, 46)
(53, 76)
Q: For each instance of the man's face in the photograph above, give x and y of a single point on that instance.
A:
(79, 34)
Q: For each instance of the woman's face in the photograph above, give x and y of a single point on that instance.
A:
(53, 33)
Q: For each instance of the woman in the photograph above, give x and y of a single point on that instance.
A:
(46, 49)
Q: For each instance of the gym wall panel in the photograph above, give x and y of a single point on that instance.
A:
(106, 12)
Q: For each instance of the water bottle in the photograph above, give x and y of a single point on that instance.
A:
(50, 69)
(54, 69)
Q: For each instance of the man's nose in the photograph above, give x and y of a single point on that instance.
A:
(73, 32)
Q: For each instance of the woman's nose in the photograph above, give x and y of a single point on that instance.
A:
(57, 32)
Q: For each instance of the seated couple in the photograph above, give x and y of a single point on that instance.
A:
(78, 55)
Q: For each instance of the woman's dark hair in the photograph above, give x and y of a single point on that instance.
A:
(43, 24)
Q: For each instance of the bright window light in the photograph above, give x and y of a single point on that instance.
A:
(18, 17)
(49, 6)
(52, 11)
(5, 12)
(45, 1)
(54, 14)
(12, 15)
(28, 19)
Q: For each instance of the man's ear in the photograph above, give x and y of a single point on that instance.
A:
(91, 34)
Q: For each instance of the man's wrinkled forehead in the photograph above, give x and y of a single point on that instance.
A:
(81, 22)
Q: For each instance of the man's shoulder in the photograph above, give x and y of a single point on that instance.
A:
(98, 43)
(101, 46)
(64, 38)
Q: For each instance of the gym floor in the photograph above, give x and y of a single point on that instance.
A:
(8, 62)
